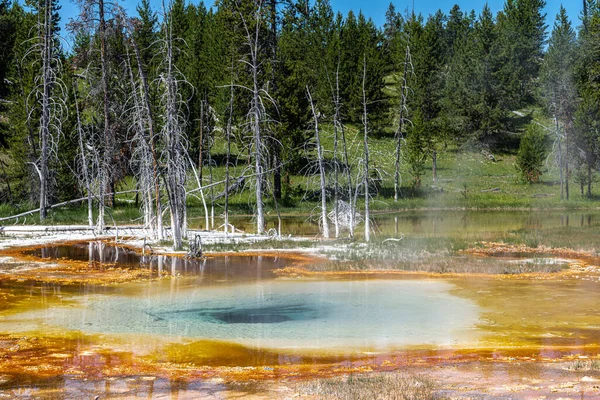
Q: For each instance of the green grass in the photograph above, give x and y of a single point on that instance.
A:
(466, 179)
(584, 238)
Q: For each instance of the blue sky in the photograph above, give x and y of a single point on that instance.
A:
(376, 9)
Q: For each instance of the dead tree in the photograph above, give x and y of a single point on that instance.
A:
(346, 158)
(324, 223)
(146, 139)
(344, 214)
(142, 155)
(92, 21)
(49, 93)
(175, 156)
(212, 116)
(109, 139)
(84, 165)
(407, 70)
(336, 167)
(228, 134)
(208, 118)
(366, 151)
(336, 181)
(256, 114)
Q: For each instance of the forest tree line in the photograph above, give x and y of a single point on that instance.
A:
(148, 95)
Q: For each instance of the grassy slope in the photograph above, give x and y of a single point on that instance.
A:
(464, 181)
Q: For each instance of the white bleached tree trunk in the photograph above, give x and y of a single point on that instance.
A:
(174, 155)
(105, 164)
(144, 154)
(366, 153)
(83, 161)
(256, 114)
(324, 222)
(228, 133)
(407, 70)
(49, 93)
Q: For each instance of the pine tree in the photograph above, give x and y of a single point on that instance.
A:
(8, 29)
(145, 34)
(586, 138)
(471, 97)
(531, 154)
(428, 57)
(520, 46)
(18, 129)
(586, 132)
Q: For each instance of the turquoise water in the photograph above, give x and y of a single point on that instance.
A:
(374, 314)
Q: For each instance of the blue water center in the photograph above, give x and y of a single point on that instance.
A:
(379, 314)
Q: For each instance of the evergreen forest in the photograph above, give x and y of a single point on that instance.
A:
(266, 107)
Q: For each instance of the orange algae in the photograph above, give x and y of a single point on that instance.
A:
(514, 332)
(77, 355)
(301, 272)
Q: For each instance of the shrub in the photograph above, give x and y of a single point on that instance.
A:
(531, 154)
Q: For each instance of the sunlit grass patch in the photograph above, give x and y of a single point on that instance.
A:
(584, 365)
(444, 264)
(259, 245)
(580, 235)
(381, 386)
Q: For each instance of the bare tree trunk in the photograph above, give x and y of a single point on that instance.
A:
(108, 139)
(260, 218)
(324, 222)
(152, 179)
(256, 115)
(45, 111)
(560, 159)
(144, 170)
(210, 181)
(227, 157)
(567, 167)
(175, 152)
(48, 93)
(84, 161)
(366, 152)
(434, 165)
(340, 125)
(589, 180)
(276, 174)
(201, 143)
(336, 183)
(404, 91)
(272, 4)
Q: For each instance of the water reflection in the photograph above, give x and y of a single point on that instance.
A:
(226, 269)
(436, 223)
